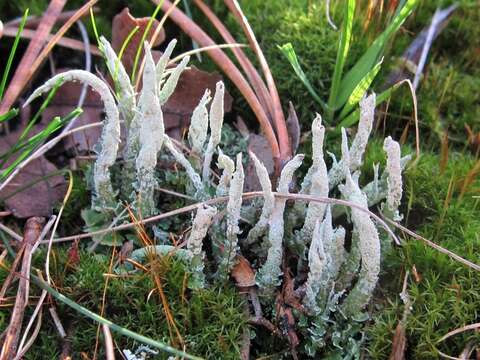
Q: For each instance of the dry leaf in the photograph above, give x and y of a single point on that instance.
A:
(243, 273)
(261, 148)
(122, 26)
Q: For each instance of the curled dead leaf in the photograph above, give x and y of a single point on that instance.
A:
(122, 26)
(243, 273)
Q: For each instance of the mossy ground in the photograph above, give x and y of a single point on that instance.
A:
(210, 321)
(445, 293)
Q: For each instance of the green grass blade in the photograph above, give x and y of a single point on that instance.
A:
(121, 330)
(12, 54)
(360, 90)
(8, 115)
(289, 52)
(342, 53)
(94, 26)
(34, 142)
(368, 60)
(144, 36)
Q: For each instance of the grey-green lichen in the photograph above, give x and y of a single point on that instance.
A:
(268, 276)
(268, 201)
(151, 136)
(104, 194)
(201, 223)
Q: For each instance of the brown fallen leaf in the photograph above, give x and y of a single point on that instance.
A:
(261, 148)
(243, 273)
(122, 26)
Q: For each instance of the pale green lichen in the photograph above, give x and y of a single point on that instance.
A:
(369, 242)
(268, 201)
(105, 196)
(197, 131)
(216, 123)
(171, 83)
(125, 92)
(234, 206)
(201, 224)
(228, 167)
(268, 276)
(151, 136)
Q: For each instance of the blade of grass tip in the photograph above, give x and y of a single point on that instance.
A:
(31, 147)
(53, 126)
(8, 115)
(94, 26)
(13, 50)
(29, 126)
(122, 50)
(114, 327)
(342, 53)
(289, 52)
(144, 36)
(354, 116)
(154, 37)
(371, 56)
(360, 90)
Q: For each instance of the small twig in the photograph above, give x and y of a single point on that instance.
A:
(32, 231)
(57, 322)
(10, 232)
(107, 335)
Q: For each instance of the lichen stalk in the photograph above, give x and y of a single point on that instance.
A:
(269, 274)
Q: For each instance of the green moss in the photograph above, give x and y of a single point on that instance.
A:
(445, 297)
(210, 321)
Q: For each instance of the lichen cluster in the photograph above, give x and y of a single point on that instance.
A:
(335, 276)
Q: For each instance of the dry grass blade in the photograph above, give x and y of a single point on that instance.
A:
(24, 72)
(64, 41)
(46, 50)
(33, 229)
(253, 77)
(278, 116)
(228, 67)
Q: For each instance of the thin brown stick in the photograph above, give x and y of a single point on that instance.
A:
(245, 196)
(278, 116)
(32, 231)
(253, 77)
(229, 68)
(109, 350)
(64, 41)
(23, 73)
